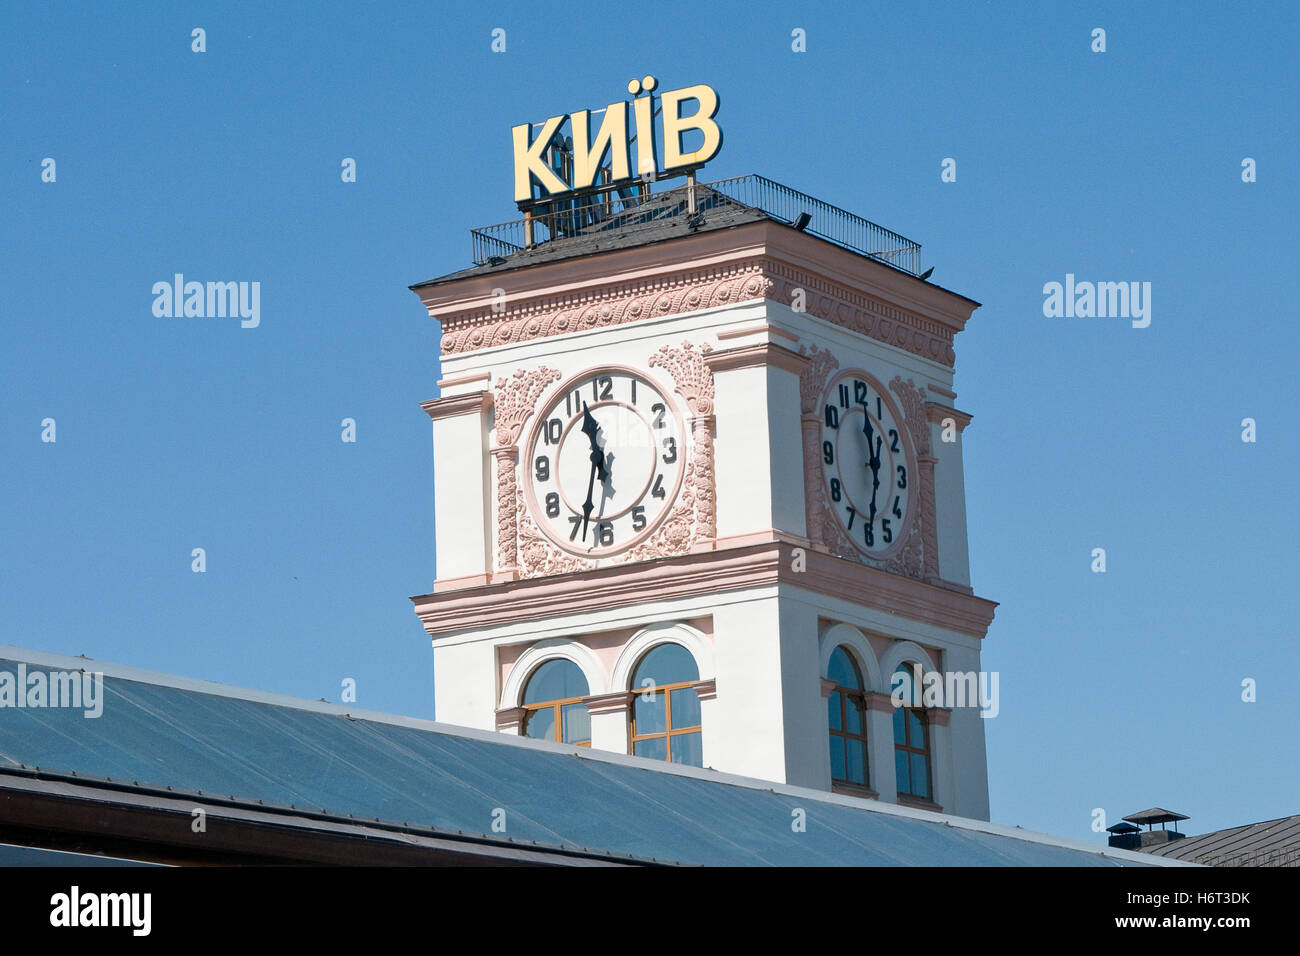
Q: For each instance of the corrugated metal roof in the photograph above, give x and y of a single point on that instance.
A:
(159, 732)
(1271, 843)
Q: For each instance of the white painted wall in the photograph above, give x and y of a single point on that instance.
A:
(461, 499)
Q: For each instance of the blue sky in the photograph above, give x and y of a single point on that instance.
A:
(1119, 690)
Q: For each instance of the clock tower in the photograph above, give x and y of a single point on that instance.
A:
(698, 488)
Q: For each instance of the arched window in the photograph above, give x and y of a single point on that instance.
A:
(911, 736)
(848, 707)
(554, 710)
(666, 709)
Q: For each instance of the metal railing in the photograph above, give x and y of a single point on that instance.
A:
(619, 210)
(829, 222)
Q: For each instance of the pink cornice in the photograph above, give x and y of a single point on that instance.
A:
(828, 686)
(937, 413)
(706, 689)
(756, 328)
(878, 701)
(475, 403)
(749, 263)
(702, 574)
(938, 716)
(614, 703)
(464, 379)
(510, 718)
(941, 390)
(753, 356)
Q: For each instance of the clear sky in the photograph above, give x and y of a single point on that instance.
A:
(1119, 690)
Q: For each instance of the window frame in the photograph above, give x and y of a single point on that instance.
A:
(859, 697)
(556, 705)
(923, 718)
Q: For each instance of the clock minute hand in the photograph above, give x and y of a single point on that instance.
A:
(873, 449)
(591, 428)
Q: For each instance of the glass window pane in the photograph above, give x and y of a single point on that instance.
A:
(577, 723)
(555, 680)
(656, 748)
(920, 776)
(852, 715)
(857, 762)
(688, 749)
(666, 664)
(685, 707)
(900, 770)
(651, 716)
(900, 728)
(916, 730)
(833, 711)
(540, 724)
(837, 758)
(843, 670)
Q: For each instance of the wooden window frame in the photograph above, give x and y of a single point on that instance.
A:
(670, 732)
(558, 719)
(908, 749)
(844, 735)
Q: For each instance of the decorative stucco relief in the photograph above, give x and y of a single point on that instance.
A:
(918, 556)
(617, 305)
(688, 291)
(512, 404)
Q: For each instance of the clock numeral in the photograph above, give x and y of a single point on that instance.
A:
(604, 533)
(552, 505)
(869, 535)
(658, 490)
(638, 518)
(573, 403)
(602, 388)
(576, 521)
(835, 490)
(902, 477)
(880, 412)
(828, 453)
(897, 513)
(633, 381)
(886, 533)
(859, 392)
(893, 441)
(671, 445)
(552, 430)
(832, 417)
(852, 515)
(659, 409)
(542, 468)
(844, 396)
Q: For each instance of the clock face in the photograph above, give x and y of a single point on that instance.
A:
(605, 462)
(867, 463)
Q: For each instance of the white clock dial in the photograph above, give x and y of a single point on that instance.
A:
(605, 462)
(867, 463)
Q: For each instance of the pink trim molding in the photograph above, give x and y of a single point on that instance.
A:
(755, 356)
(750, 263)
(698, 574)
(451, 406)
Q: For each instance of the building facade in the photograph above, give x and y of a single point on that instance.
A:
(699, 496)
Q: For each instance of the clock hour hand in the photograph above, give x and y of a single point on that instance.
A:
(591, 428)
